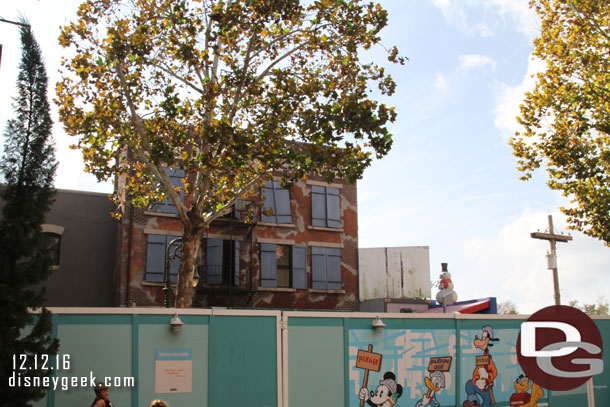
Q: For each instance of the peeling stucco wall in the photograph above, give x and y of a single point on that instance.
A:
(249, 293)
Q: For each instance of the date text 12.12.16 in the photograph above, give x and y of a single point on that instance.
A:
(41, 362)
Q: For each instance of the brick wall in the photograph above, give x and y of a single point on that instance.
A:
(249, 293)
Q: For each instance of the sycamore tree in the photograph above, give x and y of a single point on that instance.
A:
(230, 91)
(566, 118)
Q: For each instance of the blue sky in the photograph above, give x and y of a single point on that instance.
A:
(450, 180)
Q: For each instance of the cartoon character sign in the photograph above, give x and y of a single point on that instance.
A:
(386, 394)
(434, 383)
(480, 389)
(522, 397)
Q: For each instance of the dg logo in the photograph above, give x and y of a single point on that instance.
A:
(560, 348)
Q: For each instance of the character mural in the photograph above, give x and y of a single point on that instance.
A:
(435, 382)
(480, 388)
(401, 367)
(521, 397)
(418, 367)
(385, 395)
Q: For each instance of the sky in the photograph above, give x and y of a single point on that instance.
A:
(450, 181)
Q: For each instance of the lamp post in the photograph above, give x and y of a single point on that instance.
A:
(2, 20)
(172, 251)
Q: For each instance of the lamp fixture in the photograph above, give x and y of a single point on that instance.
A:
(176, 323)
(195, 280)
(378, 325)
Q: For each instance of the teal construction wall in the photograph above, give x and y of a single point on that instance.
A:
(297, 359)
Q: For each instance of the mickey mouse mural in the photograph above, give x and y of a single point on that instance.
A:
(386, 394)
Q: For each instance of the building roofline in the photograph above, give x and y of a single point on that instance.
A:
(80, 192)
(73, 191)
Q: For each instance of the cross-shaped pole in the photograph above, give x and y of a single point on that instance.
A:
(553, 238)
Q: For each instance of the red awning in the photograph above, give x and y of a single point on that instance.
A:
(469, 308)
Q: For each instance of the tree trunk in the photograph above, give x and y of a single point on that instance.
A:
(191, 240)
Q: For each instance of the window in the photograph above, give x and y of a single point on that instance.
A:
(283, 266)
(51, 244)
(155, 259)
(236, 212)
(325, 268)
(222, 261)
(167, 206)
(278, 200)
(325, 207)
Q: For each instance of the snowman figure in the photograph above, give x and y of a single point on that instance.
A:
(445, 286)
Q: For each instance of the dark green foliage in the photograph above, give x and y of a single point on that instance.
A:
(28, 166)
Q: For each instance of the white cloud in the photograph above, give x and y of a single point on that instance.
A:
(512, 266)
(511, 97)
(453, 12)
(484, 30)
(441, 84)
(519, 12)
(475, 61)
(514, 12)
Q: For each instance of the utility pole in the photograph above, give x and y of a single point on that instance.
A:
(553, 238)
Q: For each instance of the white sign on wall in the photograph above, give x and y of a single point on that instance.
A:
(173, 370)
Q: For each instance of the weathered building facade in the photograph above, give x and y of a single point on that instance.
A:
(301, 252)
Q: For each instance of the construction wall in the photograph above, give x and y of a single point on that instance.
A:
(297, 359)
(394, 272)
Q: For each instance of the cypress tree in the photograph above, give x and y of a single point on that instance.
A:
(27, 167)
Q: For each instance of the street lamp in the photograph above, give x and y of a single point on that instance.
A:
(2, 20)
(173, 251)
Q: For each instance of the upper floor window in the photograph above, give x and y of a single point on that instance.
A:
(283, 266)
(51, 244)
(325, 208)
(167, 206)
(222, 261)
(156, 249)
(277, 203)
(237, 211)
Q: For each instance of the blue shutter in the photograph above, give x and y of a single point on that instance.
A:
(236, 268)
(325, 268)
(155, 258)
(318, 206)
(175, 176)
(318, 268)
(214, 261)
(299, 267)
(156, 250)
(268, 196)
(333, 268)
(333, 210)
(237, 209)
(268, 265)
(167, 206)
(282, 203)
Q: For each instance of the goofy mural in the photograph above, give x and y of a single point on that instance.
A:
(479, 389)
